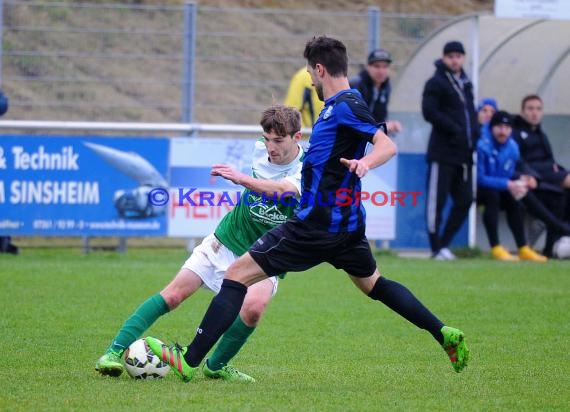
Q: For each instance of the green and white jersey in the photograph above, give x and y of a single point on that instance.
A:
(254, 215)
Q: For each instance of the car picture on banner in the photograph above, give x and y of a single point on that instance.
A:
(198, 201)
(75, 186)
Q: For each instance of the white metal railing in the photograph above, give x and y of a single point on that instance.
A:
(132, 127)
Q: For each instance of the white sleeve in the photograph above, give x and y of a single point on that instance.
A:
(258, 157)
(295, 178)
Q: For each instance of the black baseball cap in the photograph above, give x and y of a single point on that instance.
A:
(379, 55)
(453, 46)
(501, 117)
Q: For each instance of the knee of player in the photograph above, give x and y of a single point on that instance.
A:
(173, 298)
(232, 274)
(251, 314)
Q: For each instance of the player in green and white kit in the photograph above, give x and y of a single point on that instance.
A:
(276, 174)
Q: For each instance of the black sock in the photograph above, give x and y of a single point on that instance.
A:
(398, 298)
(221, 313)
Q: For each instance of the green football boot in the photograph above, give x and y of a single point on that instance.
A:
(110, 364)
(226, 373)
(172, 355)
(455, 347)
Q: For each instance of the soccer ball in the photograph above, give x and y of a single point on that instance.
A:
(561, 248)
(142, 363)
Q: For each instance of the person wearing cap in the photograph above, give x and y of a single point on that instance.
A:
(499, 185)
(485, 110)
(373, 83)
(447, 103)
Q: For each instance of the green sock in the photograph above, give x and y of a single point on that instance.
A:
(145, 315)
(230, 344)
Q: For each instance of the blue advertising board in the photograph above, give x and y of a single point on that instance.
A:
(99, 186)
(81, 185)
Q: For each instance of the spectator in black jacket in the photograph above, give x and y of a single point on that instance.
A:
(373, 83)
(534, 145)
(538, 160)
(447, 104)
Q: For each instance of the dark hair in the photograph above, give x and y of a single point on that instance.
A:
(329, 52)
(501, 117)
(281, 120)
(528, 98)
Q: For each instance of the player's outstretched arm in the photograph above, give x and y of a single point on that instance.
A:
(282, 187)
(384, 149)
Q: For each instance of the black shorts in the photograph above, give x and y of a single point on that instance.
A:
(295, 246)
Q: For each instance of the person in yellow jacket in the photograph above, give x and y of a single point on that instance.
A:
(303, 96)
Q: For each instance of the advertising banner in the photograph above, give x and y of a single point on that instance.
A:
(111, 186)
(81, 186)
(197, 201)
(381, 201)
(533, 9)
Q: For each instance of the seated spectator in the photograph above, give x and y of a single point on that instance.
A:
(485, 111)
(555, 225)
(534, 146)
(373, 83)
(499, 186)
(302, 95)
(538, 160)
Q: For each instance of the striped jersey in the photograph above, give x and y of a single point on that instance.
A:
(343, 129)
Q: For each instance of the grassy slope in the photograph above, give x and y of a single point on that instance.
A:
(322, 346)
(398, 6)
(122, 100)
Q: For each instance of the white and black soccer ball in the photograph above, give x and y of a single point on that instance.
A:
(561, 248)
(142, 363)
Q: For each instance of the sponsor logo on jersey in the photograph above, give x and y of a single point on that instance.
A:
(263, 210)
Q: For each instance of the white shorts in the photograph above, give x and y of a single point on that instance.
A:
(210, 261)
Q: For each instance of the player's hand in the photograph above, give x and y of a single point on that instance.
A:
(517, 188)
(228, 173)
(355, 166)
(529, 180)
(394, 126)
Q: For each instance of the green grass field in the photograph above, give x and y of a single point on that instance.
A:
(322, 345)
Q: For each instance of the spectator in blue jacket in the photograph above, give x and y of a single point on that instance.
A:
(499, 185)
(485, 111)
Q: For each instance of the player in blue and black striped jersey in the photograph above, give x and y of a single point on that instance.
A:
(341, 132)
(324, 229)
